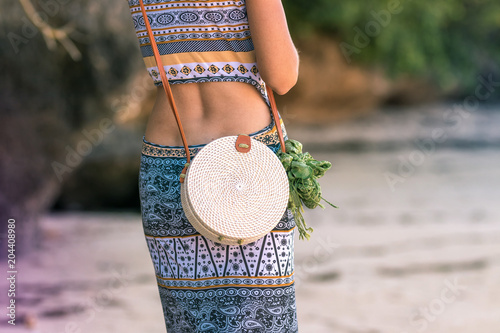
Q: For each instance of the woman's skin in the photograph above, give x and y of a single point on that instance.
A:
(214, 109)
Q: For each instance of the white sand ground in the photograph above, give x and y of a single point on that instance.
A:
(422, 258)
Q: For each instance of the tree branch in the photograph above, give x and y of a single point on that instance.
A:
(50, 34)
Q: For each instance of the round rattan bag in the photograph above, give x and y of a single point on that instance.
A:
(234, 197)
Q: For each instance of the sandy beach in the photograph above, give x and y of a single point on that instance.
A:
(418, 253)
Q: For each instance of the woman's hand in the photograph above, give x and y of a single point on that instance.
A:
(277, 57)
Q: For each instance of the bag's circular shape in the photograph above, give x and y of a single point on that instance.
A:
(232, 197)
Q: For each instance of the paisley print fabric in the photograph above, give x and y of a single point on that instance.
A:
(198, 41)
(206, 286)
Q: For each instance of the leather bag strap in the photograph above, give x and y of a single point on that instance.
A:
(168, 91)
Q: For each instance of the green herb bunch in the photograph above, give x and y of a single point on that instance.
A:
(303, 171)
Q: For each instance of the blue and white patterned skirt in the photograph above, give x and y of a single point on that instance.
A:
(206, 286)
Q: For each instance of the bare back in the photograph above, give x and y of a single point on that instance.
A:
(207, 111)
(210, 110)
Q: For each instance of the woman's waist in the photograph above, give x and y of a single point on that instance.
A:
(201, 130)
(207, 111)
(267, 135)
(204, 120)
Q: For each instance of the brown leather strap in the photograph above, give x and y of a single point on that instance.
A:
(168, 91)
(166, 87)
(274, 109)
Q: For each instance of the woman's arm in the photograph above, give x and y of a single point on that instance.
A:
(277, 57)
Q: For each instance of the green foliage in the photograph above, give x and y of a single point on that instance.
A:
(449, 41)
(303, 171)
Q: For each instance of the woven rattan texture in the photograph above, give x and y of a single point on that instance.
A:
(239, 196)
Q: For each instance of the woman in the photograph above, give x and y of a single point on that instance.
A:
(225, 50)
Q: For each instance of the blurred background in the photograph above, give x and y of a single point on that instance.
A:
(401, 96)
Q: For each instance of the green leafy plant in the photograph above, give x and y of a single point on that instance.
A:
(303, 171)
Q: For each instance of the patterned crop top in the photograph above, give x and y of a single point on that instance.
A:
(199, 41)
